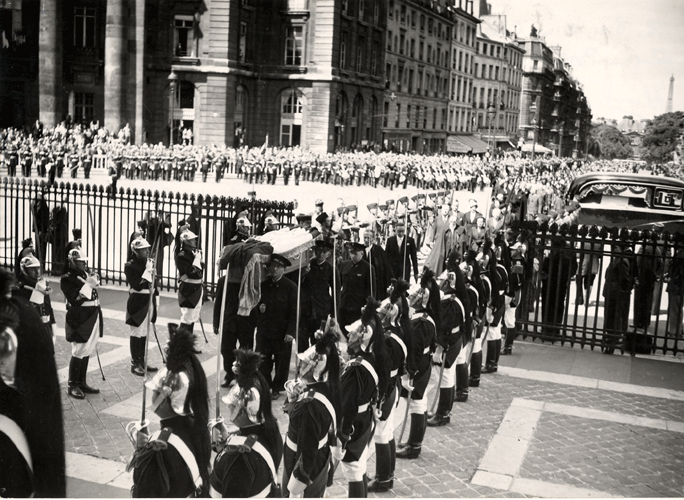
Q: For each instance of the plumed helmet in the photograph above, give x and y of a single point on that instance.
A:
(77, 254)
(249, 392)
(187, 235)
(173, 384)
(27, 262)
(139, 243)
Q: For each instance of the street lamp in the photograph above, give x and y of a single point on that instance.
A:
(535, 110)
(491, 113)
(560, 140)
(172, 78)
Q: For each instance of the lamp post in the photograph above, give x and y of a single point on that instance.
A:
(172, 78)
(534, 109)
(560, 140)
(491, 113)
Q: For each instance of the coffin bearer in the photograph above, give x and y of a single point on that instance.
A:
(140, 278)
(83, 320)
(190, 267)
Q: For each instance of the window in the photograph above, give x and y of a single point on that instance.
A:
(429, 26)
(359, 55)
(534, 65)
(403, 14)
(84, 107)
(184, 36)
(242, 46)
(396, 118)
(376, 13)
(294, 45)
(343, 53)
(413, 47)
(186, 95)
(408, 116)
(413, 19)
(362, 6)
(421, 46)
(345, 7)
(374, 59)
(389, 40)
(419, 84)
(385, 114)
(84, 27)
(443, 119)
(291, 119)
(460, 60)
(422, 22)
(390, 12)
(498, 52)
(484, 48)
(400, 77)
(388, 74)
(396, 42)
(491, 51)
(402, 41)
(496, 73)
(410, 81)
(417, 116)
(429, 53)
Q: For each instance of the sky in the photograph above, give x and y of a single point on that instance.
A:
(623, 52)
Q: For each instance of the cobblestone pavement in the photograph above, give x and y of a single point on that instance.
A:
(522, 433)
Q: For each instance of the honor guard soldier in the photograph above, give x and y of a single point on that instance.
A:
(424, 300)
(364, 379)
(394, 313)
(83, 320)
(174, 461)
(499, 276)
(480, 265)
(36, 291)
(191, 270)
(140, 307)
(32, 462)
(247, 461)
(313, 404)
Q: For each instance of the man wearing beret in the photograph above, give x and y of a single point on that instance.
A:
(276, 324)
(358, 278)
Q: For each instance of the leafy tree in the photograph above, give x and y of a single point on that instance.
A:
(608, 142)
(661, 136)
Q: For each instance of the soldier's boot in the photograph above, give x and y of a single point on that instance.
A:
(508, 344)
(393, 459)
(84, 386)
(498, 351)
(491, 365)
(383, 480)
(461, 383)
(143, 345)
(137, 367)
(475, 369)
(75, 379)
(446, 401)
(415, 439)
(357, 489)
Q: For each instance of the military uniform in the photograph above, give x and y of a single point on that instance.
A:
(38, 297)
(139, 277)
(311, 430)
(190, 291)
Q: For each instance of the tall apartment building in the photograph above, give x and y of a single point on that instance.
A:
(554, 114)
(418, 59)
(498, 80)
(298, 72)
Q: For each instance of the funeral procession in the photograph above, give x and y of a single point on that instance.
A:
(341, 249)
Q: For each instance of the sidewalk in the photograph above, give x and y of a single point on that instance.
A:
(553, 422)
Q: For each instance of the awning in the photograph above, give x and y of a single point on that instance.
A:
(477, 146)
(538, 148)
(453, 145)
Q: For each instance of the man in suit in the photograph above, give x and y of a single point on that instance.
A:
(396, 247)
(377, 257)
(358, 278)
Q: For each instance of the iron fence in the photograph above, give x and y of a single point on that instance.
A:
(107, 222)
(603, 288)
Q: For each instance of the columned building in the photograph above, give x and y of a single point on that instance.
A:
(286, 72)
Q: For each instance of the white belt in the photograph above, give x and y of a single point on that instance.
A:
(293, 446)
(144, 290)
(426, 350)
(394, 373)
(190, 281)
(12, 430)
(91, 303)
(456, 329)
(363, 407)
(216, 494)
(46, 319)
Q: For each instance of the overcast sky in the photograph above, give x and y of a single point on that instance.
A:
(623, 52)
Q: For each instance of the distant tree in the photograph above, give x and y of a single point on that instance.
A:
(609, 143)
(661, 136)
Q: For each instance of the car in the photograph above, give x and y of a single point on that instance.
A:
(635, 201)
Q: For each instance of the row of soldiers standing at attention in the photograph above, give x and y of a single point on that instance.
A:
(430, 331)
